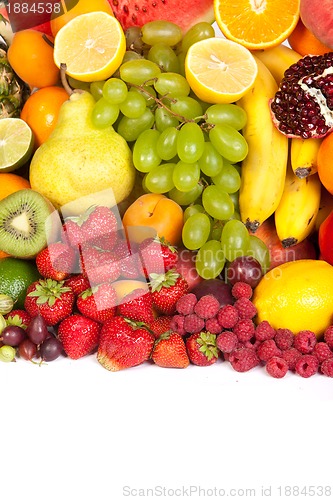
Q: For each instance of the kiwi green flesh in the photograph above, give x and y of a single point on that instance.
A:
(23, 217)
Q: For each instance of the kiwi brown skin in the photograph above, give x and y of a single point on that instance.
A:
(25, 224)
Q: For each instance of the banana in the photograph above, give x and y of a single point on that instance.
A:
(264, 168)
(278, 59)
(303, 156)
(295, 217)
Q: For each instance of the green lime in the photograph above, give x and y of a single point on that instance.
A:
(17, 140)
(15, 277)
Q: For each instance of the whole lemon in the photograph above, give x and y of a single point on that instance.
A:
(297, 295)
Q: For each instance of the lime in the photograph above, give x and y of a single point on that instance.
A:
(15, 277)
(16, 141)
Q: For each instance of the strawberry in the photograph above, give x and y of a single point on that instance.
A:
(201, 348)
(170, 351)
(78, 283)
(18, 317)
(166, 289)
(56, 261)
(129, 261)
(99, 265)
(79, 335)
(100, 227)
(137, 306)
(98, 303)
(157, 255)
(72, 234)
(123, 344)
(51, 299)
(160, 325)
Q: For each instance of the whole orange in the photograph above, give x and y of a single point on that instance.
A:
(31, 57)
(304, 42)
(324, 161)
(41, 109)
(10, 183)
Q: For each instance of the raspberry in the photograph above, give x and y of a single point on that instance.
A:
(185, 304)
(328, 336)
(244, 329)
(291, 355)
(193, 324)
(252, 343)
(241, 289)
(213, 326)
(284, 338)
(226, 341)
(327, 367)
(322, 351)
(245, 308)
(267, 350)
(304, 341)
(227, 316)
(243, 359)
(177, 324)
(307, 365)
(264, 331)
(207, 307)
(277, 367)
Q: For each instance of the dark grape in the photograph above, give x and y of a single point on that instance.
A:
(12, 335)
(37, 330)
(216, 287)
(244, 268)
(50, 349)
(27, 349)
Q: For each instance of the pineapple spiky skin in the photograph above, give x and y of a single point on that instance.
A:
(13, 92)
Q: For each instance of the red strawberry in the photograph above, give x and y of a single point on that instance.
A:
(170, 351)
(201, 348)
(18, 317)
(129, 261)
(78, 283)
(157, 255)
(72, 234)
(167, 289)
(137, 306)
(56, 261)
(160, 325)
(100, 227)
(49, 298)
(98, 303)
(123, 344)
(79, 335)
(99, 265)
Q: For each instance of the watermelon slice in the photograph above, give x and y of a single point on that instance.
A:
(185, 13)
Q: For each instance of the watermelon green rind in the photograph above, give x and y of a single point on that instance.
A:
(185, 13)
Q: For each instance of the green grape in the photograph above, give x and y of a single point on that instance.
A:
(148, 93)
(181, 58)
(199, 31)
(235, 215)
(186, 107)
(115, 91)
(164, 119)
(210, 260)
(163, 55)
(229, 114)
(210, 162)
(172, 84)
(235, 199)
(158, 31)
(235, 239)
(190, 142)
(145, 156)
(78, 84)
(229, 143)
(185, 198)
(193, 209)
(134, 105)
(133, 38)
(130, 55)
(138, 71)
(159, 179)
(228, 178)
(259, 251)
(96, 89)
(216, 229)
(186, 176)
(167, 143)
(7, 353)
(104, 114)
(217, 203)
(131, 128)
(196, 231)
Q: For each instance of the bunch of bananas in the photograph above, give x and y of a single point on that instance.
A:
(279, 175)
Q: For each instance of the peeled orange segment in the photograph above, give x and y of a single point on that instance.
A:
(220, 70)
(92, 46)
(257, 24)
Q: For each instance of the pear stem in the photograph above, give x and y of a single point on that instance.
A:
(64, 80)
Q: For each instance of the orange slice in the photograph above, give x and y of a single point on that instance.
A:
(92, 46)
(257, 24)
(220, 70)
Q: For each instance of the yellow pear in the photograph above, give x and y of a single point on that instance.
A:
(78, 161)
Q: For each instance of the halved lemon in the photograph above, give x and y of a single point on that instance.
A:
(257, 24)
(220, 70)
(16, 143)
(92, 46)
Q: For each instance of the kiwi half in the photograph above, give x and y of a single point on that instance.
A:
(23, 223)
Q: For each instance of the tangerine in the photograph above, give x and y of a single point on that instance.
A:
(324, 162)
(41, 109)
(304, 42)
(10, 183)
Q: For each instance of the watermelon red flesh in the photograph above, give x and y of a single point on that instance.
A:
(185, 13)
